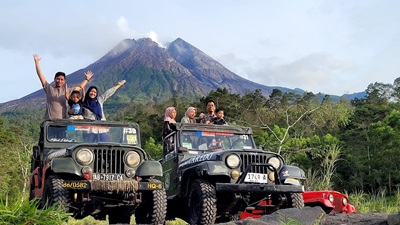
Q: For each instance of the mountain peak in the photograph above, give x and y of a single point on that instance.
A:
(154, 74)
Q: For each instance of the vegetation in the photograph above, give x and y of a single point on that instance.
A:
(24, 212)
(348, 146)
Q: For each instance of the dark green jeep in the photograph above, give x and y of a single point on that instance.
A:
(214, 173)
(97, 168)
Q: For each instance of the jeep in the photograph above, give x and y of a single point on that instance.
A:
(212, 173)
(97, 168)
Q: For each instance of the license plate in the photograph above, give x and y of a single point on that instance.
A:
(75, 184)
(256, 178)
(150, 186)
(108, 177)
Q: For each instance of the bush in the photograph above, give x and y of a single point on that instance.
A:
(25, 212)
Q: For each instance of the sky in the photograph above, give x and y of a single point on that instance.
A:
(334, 47)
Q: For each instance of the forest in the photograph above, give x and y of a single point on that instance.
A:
(347, 145)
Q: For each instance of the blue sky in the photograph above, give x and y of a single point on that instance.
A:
(334, 47)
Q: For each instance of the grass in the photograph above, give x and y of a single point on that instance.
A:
(375, 203)
(26, 213)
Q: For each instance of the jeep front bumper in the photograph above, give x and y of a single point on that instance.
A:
(126, 186)
(262, 188)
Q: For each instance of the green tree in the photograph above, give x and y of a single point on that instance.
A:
(384, 139)
(154, 149)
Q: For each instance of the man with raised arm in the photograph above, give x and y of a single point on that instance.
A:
(56, 102)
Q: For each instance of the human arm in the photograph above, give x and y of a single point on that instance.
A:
(42, 79)
(120, 83)
(83, 95)
(103, 97)
(66, 91)
(82, 85)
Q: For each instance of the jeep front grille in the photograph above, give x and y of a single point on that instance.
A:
(108, 161)
(247, 159)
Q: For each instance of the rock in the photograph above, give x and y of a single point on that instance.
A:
(356, 219)
(394, 219)
(305, 216)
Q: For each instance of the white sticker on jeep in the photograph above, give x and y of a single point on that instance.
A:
(199, 158)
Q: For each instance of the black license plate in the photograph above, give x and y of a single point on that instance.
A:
(108, 177)
(76, 184)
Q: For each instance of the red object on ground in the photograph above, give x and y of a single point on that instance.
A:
(329, 201)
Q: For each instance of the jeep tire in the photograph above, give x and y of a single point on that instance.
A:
(153, 208)
(54, 193)
(295, 200)
(202, 203)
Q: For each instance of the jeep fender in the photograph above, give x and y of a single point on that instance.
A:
(65, 165)
(149, 169)
(210, 168)
(294, 173)
(213, 170)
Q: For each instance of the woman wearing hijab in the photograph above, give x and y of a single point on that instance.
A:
(189, 115)
(169, 121)
(93, 103)
(93, 110)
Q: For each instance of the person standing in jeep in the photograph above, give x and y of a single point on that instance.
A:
(209, 117)
(56, 105)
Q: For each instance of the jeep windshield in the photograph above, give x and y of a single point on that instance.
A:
(91, 133)
(216, 141)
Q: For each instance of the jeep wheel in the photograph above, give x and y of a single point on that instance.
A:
(55, 193)
(153, 208)
(120, 216)
(202, 203)
(295, 200)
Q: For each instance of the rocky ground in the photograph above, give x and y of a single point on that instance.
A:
(315, 215)
(359, 219)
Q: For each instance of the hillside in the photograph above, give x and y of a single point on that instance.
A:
(154, 74)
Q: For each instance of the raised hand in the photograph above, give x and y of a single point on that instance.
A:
(122, 82)
(88, 75)
(36, 57)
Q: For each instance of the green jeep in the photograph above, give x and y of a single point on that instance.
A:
(97, 168)
(213, 173)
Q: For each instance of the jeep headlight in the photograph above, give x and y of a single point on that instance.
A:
(275, 162)
(132, 159)
(344, 201)
(84, 156)
(232, 161)
(331, 198)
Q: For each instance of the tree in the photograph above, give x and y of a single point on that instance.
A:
(384, 141)
(154, 149)
(379, 93)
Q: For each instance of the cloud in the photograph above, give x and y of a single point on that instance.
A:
(123, 25)
(153, 36)
(231, 61)
(315, 72)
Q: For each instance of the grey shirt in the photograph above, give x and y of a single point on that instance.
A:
(56, 103)
(87, 114)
